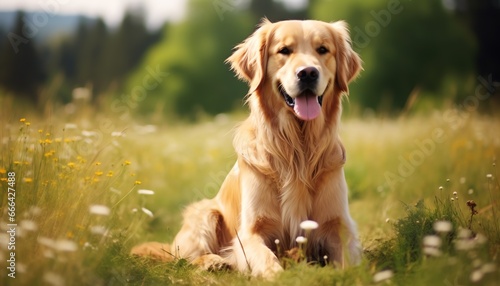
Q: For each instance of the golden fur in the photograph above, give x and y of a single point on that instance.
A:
(289, 169)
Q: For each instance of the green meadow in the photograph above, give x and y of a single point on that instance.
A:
(87, 187)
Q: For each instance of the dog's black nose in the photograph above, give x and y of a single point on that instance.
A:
(307, 74)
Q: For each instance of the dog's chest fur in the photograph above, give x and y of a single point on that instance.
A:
(295, 173)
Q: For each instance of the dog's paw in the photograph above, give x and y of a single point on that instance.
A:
(269, 272)
(355, 253)
(267, 268)
(211, 262)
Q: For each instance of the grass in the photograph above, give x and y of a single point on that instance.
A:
(402, 178)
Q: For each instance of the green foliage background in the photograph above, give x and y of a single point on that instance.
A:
(417, 55)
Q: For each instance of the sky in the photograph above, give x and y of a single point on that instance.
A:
(157, 11)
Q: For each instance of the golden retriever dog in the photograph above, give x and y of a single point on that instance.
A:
(290, 158)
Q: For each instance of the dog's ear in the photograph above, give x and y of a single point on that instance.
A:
(249, 59)
(348, 61)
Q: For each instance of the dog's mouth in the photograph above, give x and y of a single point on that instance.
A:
(306, 106)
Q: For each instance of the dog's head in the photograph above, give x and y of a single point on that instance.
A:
(301, 66)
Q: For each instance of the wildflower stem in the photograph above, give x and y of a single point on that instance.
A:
(472, 205)
(278, 248)
(462, 216)
(126, 195)
(495, 219)
(308, 232)
(470, 221)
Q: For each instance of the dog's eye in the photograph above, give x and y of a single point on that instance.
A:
(322, 50)
(284, 51)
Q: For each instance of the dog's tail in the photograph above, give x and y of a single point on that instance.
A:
(154, 250)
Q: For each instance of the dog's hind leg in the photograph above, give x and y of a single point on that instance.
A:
(203, 235)
(154, 250)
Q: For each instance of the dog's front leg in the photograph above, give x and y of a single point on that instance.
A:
(253, 256)
(260, 225)
(337, 230)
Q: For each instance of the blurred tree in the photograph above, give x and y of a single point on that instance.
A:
(483, 17)
(71, 49)
(3, 40)
(407, 47)
(22, 72)
(90, 58)
(66, 60)
(100, 57)
(71, 58)
(127, 46)
(192, 55)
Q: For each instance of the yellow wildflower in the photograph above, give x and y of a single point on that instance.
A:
(22, 120)
(98, 163)
(110, 174)
(127, 162)
(40, 130)
(137, 182)
(27, 123)
(71, 165)
(50, 153)
(27, 180)
(98, 173)
(3, 171)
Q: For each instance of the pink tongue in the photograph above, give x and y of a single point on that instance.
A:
(307, 107)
